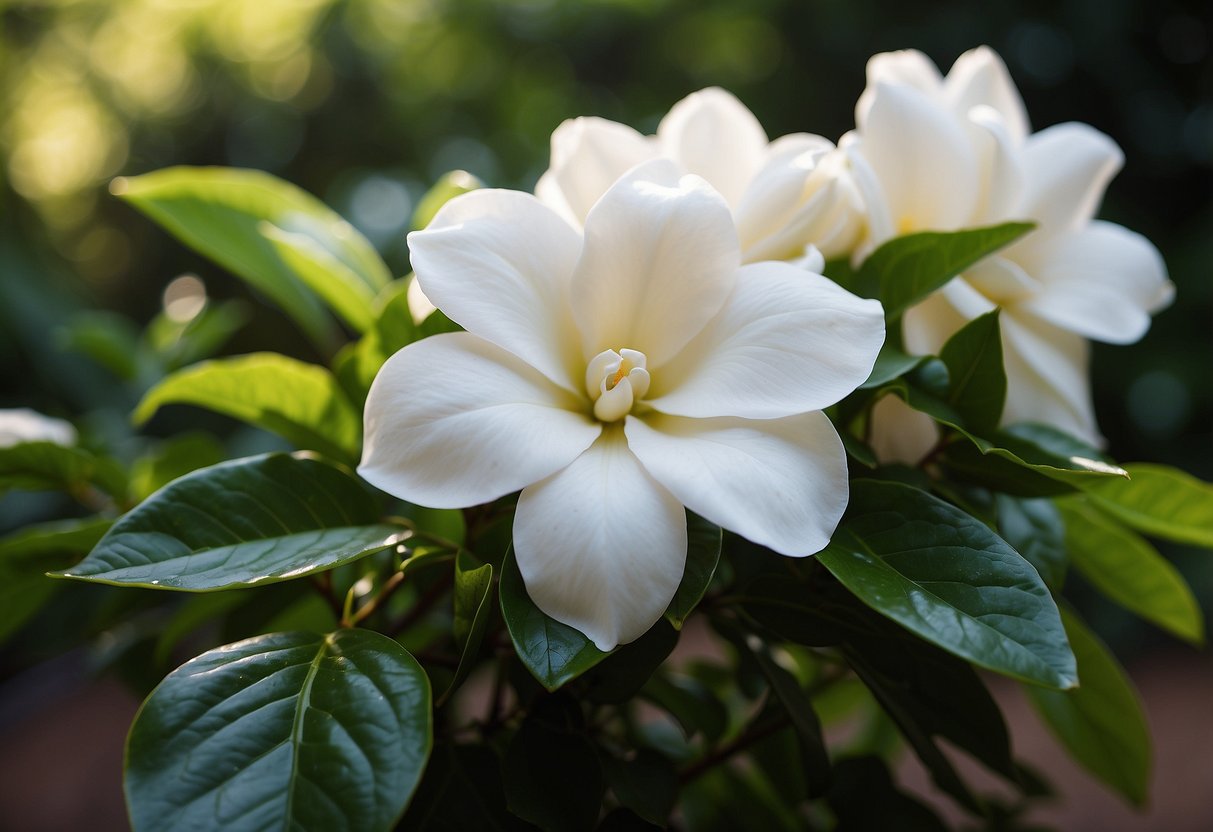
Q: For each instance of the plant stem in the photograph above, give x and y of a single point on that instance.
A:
(759, 730)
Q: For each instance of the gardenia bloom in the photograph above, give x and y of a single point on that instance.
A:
(21, 425)
(785, 195)
(936, 153)
(616, 374)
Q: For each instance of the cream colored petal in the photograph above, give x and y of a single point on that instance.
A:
(979, 77)
(588, 155)
(712, 134)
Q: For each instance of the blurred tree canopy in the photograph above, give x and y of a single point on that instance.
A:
(366, 102)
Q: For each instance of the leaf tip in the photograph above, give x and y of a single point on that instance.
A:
(119, 186)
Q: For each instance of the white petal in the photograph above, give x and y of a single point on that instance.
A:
(926, 326)
(923, 159)
(588, 155)
(979, 77)
(712, 134)
(1066, 168)
(21, 424)
(498, 263)
(420, 307)
(781, 483)
(1047, 377)
(1101, 282)
(454, 421)
(601, 546)
(899, 433)
(1001, 166)
(787, 341)
(878, 220)
(660, 258)
(1002, 281)
(905, 66)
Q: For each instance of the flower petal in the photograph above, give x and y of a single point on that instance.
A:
(454, 421)
(781, 483)
(498, 264)
(588, 155)
(897, 433)
(660, 258)
(712, 134)
(1066, 169)
(1101, 282)
(926, 326)
(601, 546)
(904, 66)
(922, 158)
(979, 77)
(1047, 377)
(787, 341)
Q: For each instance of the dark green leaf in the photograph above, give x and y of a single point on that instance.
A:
(727, 799)
(1159, 501)
(977, 381)
(45, 466)
(285, 731)
(221, 213)
(553, 778)
(1034, 528)
(1101, 722)
(906, 269)
(891, 363)
(864, 798)
(436, 324)
(647, 784)
(800, 710)
(554, 653)
(109, 339)
(245, 522)
(946, 577)
(1126, 568)
(473, 585)
(695, 708)
(461, 791)
(27, 555)
(301, 402)
(703, 554)
(449, 186)
(172, 459)
(628, 668)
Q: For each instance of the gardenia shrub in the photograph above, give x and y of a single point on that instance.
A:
(820, 411)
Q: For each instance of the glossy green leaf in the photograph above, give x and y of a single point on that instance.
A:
(219, 212)
(282, 731)
(1101, 722)
(647, 784)
(906, 269)
(1034, 528)
(977, 381)
(1160, 501)
(554, 653)
(332, 280)
(891, 363)
(1126, 568)
(703, 555)
(301, 402)
(553, 778)
(473, 586)
(27, 555)
(628, 668)
(946, 577)
(449, 186)
(241, 523)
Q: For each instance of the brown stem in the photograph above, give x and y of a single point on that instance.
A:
(759, 730)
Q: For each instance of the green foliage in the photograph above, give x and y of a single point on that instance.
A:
(288, 729)
(245, 522)
(1160, 501)
(977, 384)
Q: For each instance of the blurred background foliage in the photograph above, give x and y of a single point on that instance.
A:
(366, 102)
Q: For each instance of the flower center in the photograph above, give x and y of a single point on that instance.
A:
(615, 380)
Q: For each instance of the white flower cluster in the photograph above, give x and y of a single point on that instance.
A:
(651, 330)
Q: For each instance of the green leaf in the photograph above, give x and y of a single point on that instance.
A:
(628, 668)
(25, 557)
(219, 212)
(49, 466)
(863, 796)
(891, 363)
(393, 319)
(978, 383)
(286, 731)
(696, 709)
(241, 523)
(473, 586)
(178, 343)
(334, 282)
(1101, 722)
(553, 778)
(172, 459)
(554, 653)
(461, 790)
(449, 186)
(906, 269)
(647, 784)
(703, 555)
(301, 402)
(799, 708)
(1034, 528)
(109, 339)
(1159, 501)
(946, 577)
(1126, 568)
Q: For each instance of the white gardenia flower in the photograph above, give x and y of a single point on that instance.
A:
(943, 153)
(615, 375)
(22, 424)
(785, 195)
